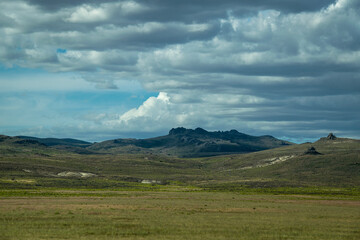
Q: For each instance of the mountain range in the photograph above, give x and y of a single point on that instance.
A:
(228, 160)
(180, 142)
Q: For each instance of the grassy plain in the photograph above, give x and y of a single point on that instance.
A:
(177, 213)
(274, 194)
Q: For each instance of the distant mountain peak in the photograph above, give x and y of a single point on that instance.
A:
(182, 130)
(200, 131)
(196, 142)
(233, 131)
(177, 131)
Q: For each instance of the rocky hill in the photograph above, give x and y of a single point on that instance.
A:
(184, 142)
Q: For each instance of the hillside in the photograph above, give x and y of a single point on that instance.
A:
(58, 141)
(184, 142)
(335, 163)
(30, 164)
(67, 144)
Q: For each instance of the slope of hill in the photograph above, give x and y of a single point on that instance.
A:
(327, 162)
(58, 141)
(17, 142)
(67, 144)
(184, 142)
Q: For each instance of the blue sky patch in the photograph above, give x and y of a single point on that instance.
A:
(61, 50)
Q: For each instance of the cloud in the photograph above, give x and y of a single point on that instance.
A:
(176, 9)
(159, 114)
(86, 14)
(153, 115)
(292, 117)
(268, 66)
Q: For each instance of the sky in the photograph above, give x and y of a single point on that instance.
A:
(98, 70)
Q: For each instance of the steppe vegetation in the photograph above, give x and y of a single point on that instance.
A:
(180, 213)
(281, 193)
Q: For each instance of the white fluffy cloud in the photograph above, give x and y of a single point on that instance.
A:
(155, 114)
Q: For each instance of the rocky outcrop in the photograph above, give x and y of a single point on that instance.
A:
(331, 136)
(311, 151)
(176, 131)
(197, 142)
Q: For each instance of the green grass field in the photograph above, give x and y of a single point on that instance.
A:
(181, 214)
(274, 194)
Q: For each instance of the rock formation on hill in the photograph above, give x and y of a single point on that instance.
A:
(193, 143)
(311, 151)
(331, 136)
